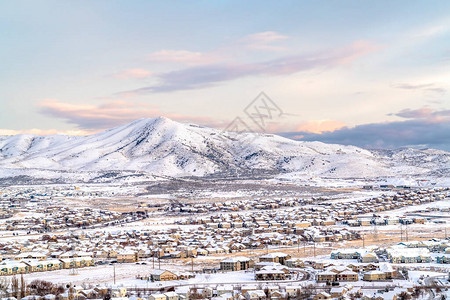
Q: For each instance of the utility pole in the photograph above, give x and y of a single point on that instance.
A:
(401, 232)
(114, 270)
(74, 242)
(375, 232)
(406, 231)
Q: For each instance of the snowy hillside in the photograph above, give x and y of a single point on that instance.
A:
(147, 148)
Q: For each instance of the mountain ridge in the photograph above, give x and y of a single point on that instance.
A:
(163, 147)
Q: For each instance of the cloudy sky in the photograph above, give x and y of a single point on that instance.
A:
(368, 73)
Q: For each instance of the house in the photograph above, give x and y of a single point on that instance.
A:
(443, 259)
(293, 290)
(347, 276)
(157, 297)
(391, 221)
(337, 292)
(345, 254)
(419, 220)
(13, 268)
(365, 222)
(255, 295)
(249, 287)
(276, 295)
(35, 265)
(30, 255)
(387, 269)
(224, 289)
(322, 295)
(235, 264)
(171, 296)
(369, 257)
(76, 262)
(303, 224)
(118, 292)
(163, 275)
(178, 254)
(374, 276)
(127, 257)
(271, 273)
(88, 294)
(295, 263)
(401, 254)
(53, 264)
(277, 257)
(326, 276)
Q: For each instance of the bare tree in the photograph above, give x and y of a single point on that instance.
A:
(194, 294)
(4, 285)
(42, 288)
(15, 287)
(23, 287)
(404, 296)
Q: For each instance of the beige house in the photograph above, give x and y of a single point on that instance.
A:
(322, 295)
(157, 297)
(277, 257)
(369, 258)
(163, 275)
(30, 255)
(171, 296)
(127, 257)
(236, 264)
(374, 276)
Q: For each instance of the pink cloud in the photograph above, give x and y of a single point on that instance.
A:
(111, 114)
(257, 41)
(320, 126)
(310, 126)
(203, 76)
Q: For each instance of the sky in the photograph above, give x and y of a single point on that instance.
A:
(374, 74)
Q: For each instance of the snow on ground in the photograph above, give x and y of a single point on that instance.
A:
(415, 275)
(401, 211)
(358, 196)
(224, 277)
(99, 274)
(126, 276)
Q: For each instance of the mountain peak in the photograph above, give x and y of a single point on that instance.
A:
(156, 120)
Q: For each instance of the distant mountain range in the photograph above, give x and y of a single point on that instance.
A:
(154, 148)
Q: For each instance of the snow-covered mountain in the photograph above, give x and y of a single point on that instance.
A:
(162, 147)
